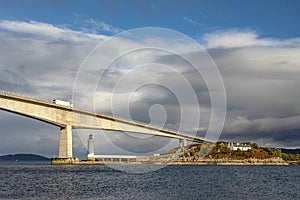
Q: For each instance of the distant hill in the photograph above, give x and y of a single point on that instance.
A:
(22, 158)
(292, 151)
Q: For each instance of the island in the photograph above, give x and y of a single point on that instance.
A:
(230, 153)
(220, 153)
(23, 158)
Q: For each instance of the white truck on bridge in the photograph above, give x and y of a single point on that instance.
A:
(63, 103)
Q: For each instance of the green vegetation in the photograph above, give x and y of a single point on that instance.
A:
(220, 150)
(273, 152)
(290, 157)
(255, 146)
(195, 151)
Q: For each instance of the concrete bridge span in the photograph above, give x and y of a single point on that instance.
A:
(68, 118)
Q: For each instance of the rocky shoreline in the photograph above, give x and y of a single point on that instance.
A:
(251, 161)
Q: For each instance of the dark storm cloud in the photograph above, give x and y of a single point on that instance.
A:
(262, 88)
(285, 139)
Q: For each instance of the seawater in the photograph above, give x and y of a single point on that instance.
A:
(45, 181)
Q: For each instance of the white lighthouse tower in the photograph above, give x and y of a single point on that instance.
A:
(91, 155)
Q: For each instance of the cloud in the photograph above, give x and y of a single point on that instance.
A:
(47, 31)
(191, 21)
(102, 26)
(261, 77)
(96, 26)
(236, 38)
(261, 82)
(38, 60)
(41, 60)
(36, 55)
(262, 85)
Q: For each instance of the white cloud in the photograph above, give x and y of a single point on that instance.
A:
(44, 30)
(101, 26)
(235, 38)
(191, 21)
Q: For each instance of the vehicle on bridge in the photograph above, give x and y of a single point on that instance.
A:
(63, 103)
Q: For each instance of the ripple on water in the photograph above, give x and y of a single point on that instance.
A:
(171, 182)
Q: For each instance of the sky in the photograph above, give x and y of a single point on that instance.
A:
(48, 48)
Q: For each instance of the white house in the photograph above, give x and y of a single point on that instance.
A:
(235, 146)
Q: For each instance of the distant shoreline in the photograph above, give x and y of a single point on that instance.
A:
(23, 158)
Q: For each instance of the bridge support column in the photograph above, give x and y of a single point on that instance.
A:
(182, 144)
(65, 142)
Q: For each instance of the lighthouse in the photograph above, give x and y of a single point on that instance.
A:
(90, 152)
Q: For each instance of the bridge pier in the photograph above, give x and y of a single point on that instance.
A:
(65, 142)
(182, 144)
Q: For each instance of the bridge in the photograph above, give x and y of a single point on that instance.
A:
(68, 118)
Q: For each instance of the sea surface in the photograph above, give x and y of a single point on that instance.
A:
(45, 181)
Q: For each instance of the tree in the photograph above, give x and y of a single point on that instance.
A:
(255, 146)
